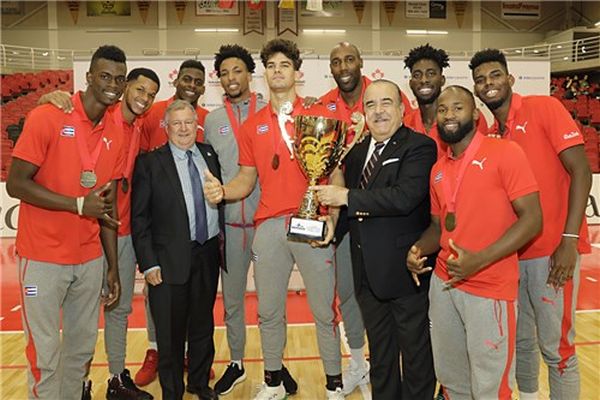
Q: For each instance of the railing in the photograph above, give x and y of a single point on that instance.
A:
(563, 56)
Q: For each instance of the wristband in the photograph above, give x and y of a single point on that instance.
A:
(570, 235)
(80, 201)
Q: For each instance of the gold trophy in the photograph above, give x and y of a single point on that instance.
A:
(318, 145)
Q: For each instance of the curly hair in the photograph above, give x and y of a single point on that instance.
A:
(426, 52)
(488, 55)
(233, 51)
(286, 47)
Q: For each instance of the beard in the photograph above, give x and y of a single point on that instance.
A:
(494, 104)
(428, 100)
(455, 137)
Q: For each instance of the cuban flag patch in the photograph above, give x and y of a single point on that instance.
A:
(224, 130)
(332, 107)
(31, 290)
(67, 131)
(437, 177)
(262, 129)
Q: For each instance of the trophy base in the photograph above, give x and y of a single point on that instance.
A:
(305, 230)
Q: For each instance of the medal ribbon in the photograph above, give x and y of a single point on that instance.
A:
(468, 156)
(88, 161)
(233, 121)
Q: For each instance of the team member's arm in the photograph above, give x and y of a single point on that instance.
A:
(21, 185)
(59, 99)
(564, 258)
(108, 237)
(333, 195)
(237, 189)
(529, 223)
(428, 243)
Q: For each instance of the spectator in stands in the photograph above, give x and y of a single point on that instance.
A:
(549, 265)
(68, 217)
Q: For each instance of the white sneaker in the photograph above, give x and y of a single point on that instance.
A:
(336, 394)
(271, 392)
(354, 376)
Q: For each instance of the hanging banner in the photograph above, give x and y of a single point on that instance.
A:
(425, 9)
(390, 10)
(521, 10)
(287, 21)
(143, 7)
(108, 8)
(180, 10)
(215, 7)
(330, 8)
(359, 9)
(254, 20)
(73, 10)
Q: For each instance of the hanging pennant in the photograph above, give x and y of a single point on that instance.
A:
(143, 7)
(390, 10)
(287, 21)
(180, 10)
(286, 4)
(74, 10)
(359, 9)
(256, 4)
(460, 7)
(226, 3)
(314, 5)
(254, 20)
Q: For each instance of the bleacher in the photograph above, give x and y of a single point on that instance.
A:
(582, 100)
(20, 94)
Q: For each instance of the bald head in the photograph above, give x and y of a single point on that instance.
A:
(347, 47)
(345, 65)
(456, 114)
(460, 91)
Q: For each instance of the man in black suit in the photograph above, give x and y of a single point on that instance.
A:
(386, 195)
(176, 239)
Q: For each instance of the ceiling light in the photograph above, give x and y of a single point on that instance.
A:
(597, 24)
(323, 31)
(45, 53)
(424, 32)
(518, 51)
(207, 30)
(565, 58)
(583, 50)
(559, 47)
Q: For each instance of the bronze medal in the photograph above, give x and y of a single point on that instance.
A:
(125, 185)
(450, 222)
(88, 179)
(275, 161)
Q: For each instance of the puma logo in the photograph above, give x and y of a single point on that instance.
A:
(522, 128)
(107, 142)
(479, 163)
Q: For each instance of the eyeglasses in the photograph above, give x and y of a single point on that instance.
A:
(189, 123)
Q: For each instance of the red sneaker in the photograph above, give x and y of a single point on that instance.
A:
(147, 374)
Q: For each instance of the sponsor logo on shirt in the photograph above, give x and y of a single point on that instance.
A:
(522, 128)
(107, 142)
(31, 290)
(262, 129)
(224, 130)
(67, 131)
(479, 163)
(438, 177)
(331, 107)
(570, 135)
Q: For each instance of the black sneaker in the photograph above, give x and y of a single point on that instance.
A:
(86, 391)
(232, 376)
(290, 385)
(122, 388)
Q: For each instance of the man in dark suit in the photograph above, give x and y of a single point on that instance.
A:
(386, 195)
(176, 239)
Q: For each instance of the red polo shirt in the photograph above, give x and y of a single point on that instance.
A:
(544, 128)
(499, 173)
(131, 148)
(49, 142)
(260, 139)
(153, 132)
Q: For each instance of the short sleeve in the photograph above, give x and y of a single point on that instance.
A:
(435, 201)
(246, 157)
(559, 126)
(36, 137)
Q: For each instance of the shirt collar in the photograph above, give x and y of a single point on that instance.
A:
(182, 154)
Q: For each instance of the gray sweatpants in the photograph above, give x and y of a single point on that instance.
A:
(238, 251)
(274, 258)
(547, 322)
(353, 322)
(115, 325)
(473, 340)
(57, 370)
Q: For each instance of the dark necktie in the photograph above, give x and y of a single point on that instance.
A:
(366, 174)
(198, 196)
